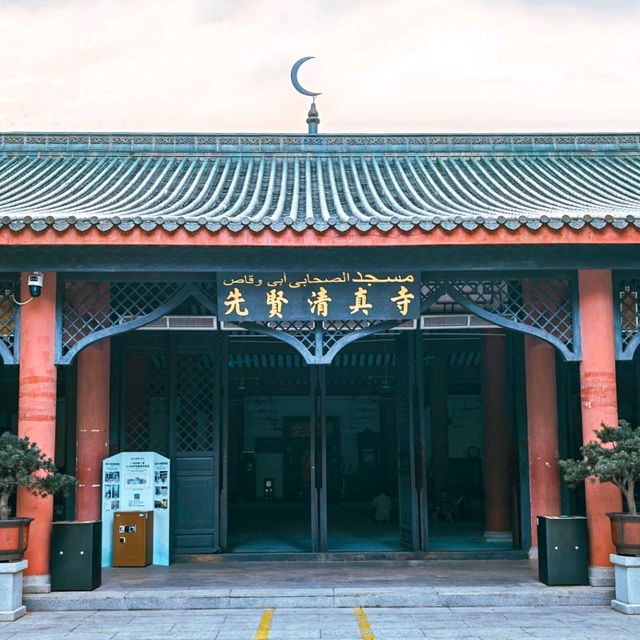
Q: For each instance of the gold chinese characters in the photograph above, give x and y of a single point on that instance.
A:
(319, 302)
(234, 303)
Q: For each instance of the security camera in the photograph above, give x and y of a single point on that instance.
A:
(35, 282)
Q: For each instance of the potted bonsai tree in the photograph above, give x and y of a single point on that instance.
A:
(22, 464)
(614, 457)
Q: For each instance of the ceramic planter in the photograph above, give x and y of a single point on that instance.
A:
(625, 533)
(14, 537)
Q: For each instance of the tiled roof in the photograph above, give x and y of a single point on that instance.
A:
(319, 182)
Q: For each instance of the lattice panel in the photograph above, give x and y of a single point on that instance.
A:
(8, 322)
(627, 291)
(545, 306)
(195, 402)
(91, 307)
(146, 397)
(334, 331)
(319, 342)
(302, 332)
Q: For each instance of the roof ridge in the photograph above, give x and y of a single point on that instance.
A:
(274, 142)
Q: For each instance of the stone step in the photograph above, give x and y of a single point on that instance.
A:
(165, 598)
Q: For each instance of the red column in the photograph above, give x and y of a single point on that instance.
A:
(92, 422)
(495, 440)
(542, 421)
(599, 404)
(37, 418)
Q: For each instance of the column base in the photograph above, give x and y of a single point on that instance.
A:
(623, 607)
(10, 616)
(11, 607)
(627, 574)
(498, 536)
(601, 576)
(37, 584)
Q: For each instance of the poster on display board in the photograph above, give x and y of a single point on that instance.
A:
(137, 482)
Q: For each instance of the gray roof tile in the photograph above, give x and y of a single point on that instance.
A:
(237, 182)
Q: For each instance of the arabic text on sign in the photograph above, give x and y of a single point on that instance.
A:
(309, 279)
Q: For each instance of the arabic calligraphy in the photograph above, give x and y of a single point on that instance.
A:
(309, 279)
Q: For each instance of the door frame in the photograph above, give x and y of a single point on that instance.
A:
(170, 346)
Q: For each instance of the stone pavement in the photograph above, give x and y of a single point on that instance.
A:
(501, 623)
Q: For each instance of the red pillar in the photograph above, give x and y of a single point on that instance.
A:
(599, 404)
(37, 418)
(92, 422)
(542, 421)
(495, 440)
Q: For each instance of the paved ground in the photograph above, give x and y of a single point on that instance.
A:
(362, 574)
(333, 624)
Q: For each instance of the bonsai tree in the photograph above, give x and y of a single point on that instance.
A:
(614, 457)
(22, 464)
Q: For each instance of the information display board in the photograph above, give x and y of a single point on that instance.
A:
(137, 482)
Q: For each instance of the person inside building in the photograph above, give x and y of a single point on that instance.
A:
(382, 504)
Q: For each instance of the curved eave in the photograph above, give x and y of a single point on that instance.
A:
(331, 238)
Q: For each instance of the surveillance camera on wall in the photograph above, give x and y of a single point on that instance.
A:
(35, 282)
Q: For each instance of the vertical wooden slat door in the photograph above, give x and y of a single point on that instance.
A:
(195, 429)
(321, 458)
(407, 493)
(224, 445)
(421, 441)
(314, 458)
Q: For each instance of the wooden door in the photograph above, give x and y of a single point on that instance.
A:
(195, 430)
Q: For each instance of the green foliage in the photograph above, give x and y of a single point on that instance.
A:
(22, 464)
(614, 457)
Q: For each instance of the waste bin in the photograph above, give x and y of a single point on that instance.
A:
(563, 553)
(76, 551)
(132, 538)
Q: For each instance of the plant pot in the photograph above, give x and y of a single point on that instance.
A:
(14, 538)
(625, 533)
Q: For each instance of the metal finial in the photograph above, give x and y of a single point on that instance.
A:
(313, 118)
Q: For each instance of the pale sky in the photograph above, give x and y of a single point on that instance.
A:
(382, 65)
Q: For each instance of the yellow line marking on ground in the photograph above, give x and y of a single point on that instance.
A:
(363, 623)
(265, 625)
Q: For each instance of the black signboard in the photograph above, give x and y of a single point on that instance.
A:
(347, 295)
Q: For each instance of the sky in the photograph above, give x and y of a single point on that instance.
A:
(381, 65)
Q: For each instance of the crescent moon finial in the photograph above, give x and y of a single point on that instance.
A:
(294, 78)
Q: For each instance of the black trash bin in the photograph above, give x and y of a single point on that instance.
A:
(76, 554)
(563, 553)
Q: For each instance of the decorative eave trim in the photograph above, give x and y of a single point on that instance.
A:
(191, 143)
